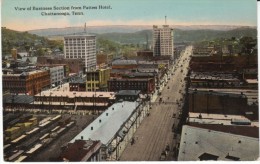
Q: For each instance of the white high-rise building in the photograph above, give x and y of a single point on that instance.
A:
(163, 41)
(81, 47)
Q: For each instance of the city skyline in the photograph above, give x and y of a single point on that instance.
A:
(186, 12)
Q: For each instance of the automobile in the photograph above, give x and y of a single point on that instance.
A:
(163, 156)
(160, 99)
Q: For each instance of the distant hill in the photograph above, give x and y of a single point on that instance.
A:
(140, 37)
(90, 30)
(121, 34)
(24, 41)
(123, 29)
(140, 34)
(200, 35)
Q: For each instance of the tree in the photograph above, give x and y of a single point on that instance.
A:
(247, 43)
(39, 52)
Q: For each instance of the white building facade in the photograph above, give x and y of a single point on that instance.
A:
(81, 47)
(57, 75)
(163, 41)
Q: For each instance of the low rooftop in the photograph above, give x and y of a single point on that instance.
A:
(80, 150)
(73, 94)
(213, 76)
(220, 119)
(18, 99)
(196, 142)
(128, 92)
(124, 62)
(108, 123)
(214, 92)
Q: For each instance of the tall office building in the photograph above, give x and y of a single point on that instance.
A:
(81, 47)
(163, 41)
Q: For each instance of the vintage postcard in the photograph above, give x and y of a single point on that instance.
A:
(121, 80)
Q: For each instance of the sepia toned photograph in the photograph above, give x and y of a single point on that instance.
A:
(129, 81)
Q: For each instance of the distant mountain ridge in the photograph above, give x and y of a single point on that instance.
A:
(141, 37)
(125, 29)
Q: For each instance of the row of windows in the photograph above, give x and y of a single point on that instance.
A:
(89, 85)
(117, 87)
(130, 83)
(80, 52)
(79, 40)
(11, 84)
(78, 49)
(80, 45)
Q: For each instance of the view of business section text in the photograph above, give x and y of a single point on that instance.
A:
(130, 81)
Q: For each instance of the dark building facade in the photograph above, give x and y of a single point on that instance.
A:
(78, 84)
(217, 103)
(144, 85)
(127, 95)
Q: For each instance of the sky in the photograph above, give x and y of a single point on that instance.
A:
(129, 12)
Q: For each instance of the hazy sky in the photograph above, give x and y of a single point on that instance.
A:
(130, 12)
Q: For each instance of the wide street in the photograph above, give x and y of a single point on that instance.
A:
(155, 132)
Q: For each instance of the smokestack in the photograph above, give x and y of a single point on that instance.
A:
(85, 28)
(165, 20)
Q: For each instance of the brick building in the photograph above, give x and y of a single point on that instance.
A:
(81, 151)
(217, 102)
(78, 84)
(27, 82)
(73, 65)
(223, 63)
(64, 66)
(215, 80)
(146, 85)
(104, 59)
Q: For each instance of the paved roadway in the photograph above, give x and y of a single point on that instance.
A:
(155, 132)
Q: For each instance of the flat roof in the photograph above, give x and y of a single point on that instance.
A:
(219, 119)
(216, 116)
(251, 94)
(198, 141)
(128, 92)
(80, 150)
(73, 94)
(215, 92)
(250, 131)
(18, 99)
(108, 123)
(124, 62)
(213, 76)
(252, 81)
